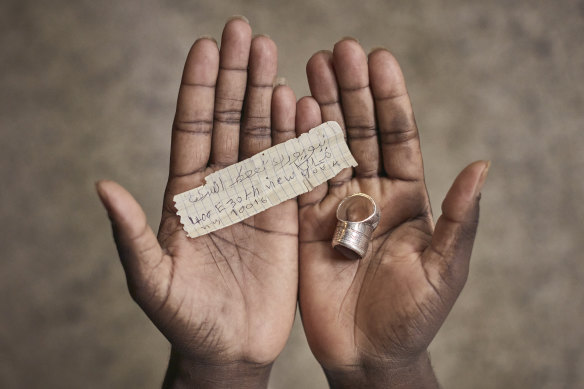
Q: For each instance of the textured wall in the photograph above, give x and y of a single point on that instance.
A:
(87, 91)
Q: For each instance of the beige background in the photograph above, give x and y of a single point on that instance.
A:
(87, 91)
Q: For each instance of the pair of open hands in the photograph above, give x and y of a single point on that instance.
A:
(226, 301)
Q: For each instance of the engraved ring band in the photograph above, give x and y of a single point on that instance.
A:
(357, 215)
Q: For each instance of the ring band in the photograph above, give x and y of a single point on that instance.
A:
(357, 215)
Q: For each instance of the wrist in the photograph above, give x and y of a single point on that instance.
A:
(186, 373)
(417, 373)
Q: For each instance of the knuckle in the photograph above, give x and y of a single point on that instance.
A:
(228, 116)
(401, 129)
(194, 126)
(362, 130)
(257, 127)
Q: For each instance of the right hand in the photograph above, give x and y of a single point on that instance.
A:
(226, 301)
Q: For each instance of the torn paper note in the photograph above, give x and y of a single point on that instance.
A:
(268, 178)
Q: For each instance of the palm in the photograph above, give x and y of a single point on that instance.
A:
(352, 294)
(390, 304)
(228, 296)
(216, 285)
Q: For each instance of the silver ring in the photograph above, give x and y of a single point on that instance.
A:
(357, 215)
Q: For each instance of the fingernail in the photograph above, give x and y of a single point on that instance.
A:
(98, 187)
(259, 35)
(240, 17)
(280, 81)
(209, 37)
(350, 38)
(377, 48)
(102, 195)
(483, 177)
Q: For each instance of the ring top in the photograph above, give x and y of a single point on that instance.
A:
(358, 208)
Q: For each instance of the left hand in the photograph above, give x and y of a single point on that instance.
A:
(369, 322)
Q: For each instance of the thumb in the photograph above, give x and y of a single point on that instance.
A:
(447, 258)
(138, 248)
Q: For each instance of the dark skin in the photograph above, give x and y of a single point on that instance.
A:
(226, 300)
(369, 322)
(208, 295)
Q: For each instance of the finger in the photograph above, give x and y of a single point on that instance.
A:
(142, 258)
(400, 144)
(191, 131)
(350, 64)
(284, 217)
(447, 258)
(263, 66)
(231, 83)
(307, 117)
(283, 113)
(324, 88)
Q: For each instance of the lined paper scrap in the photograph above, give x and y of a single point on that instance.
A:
(277, 174)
